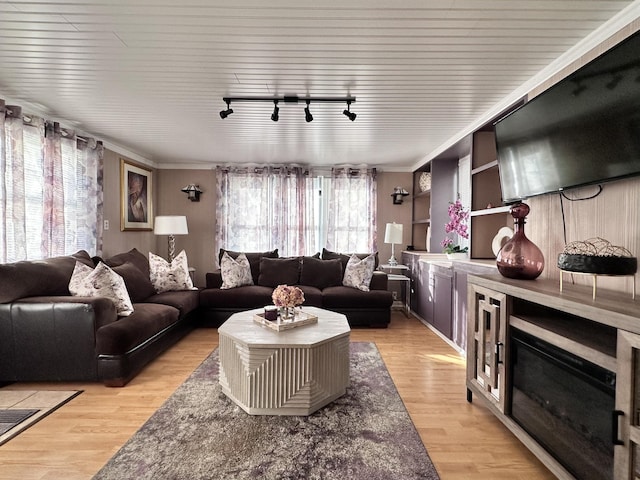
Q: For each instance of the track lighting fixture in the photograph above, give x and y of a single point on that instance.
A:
(307, 114)
(290, 99)
(347, 112)
(228, 111)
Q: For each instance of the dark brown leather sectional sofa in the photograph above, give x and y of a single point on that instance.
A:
(48, 335)
(319, 278)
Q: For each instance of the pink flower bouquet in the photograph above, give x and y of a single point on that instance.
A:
(286, 296)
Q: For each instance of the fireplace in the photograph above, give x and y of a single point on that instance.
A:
(565, 403)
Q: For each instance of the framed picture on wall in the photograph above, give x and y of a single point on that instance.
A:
(136, 197)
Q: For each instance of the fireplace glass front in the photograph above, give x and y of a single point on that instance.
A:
(565, 403)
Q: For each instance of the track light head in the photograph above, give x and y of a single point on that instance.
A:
(227, 112)
(352, 116)
(307, 114)
(347, 112)
(275, 116)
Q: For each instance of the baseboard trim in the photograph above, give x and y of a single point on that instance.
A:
(439, 334)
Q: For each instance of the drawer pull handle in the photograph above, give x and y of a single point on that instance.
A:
(615, 415)
(498, 350)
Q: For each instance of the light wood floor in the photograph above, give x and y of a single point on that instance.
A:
(464, 440)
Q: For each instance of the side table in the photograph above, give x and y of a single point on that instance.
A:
(404, 282)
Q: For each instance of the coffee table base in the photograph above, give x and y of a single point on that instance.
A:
(291, 380)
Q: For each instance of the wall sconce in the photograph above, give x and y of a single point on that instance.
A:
(397, 195)
(193, 192)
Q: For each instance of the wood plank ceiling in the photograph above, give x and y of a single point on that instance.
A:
(149, 75)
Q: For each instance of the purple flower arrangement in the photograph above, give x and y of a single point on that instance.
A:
(458, 218)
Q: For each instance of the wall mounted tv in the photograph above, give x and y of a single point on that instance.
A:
(583, 130)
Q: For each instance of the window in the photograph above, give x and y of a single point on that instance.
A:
(295, 211)
(50, 189)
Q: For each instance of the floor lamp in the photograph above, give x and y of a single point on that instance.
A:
(393, 235)
(171, 225)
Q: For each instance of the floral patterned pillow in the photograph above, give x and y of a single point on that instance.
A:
(166, 276)
(358, 272)
(235, 273)
(101, 282)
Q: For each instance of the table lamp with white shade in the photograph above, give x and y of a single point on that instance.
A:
(393, 235)
(171, 225)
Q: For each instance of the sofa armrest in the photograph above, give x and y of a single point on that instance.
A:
(214, 279)
(52, 338)
(379, 280)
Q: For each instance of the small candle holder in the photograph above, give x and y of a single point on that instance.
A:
(271, 313)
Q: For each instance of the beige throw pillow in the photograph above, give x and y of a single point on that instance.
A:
(101, 282)
(235, 273)
(166, 276)
(358, 273)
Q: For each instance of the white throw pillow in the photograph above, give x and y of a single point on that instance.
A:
(101, 282)
(235, 273)
(358, 273)
(166, 276)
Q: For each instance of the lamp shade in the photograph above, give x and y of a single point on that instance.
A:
(171, 225)
(393, 233)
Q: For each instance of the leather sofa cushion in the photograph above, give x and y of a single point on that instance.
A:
(133, 266)
(147, 320)
(321, 273)
(39, 277)
(379, 281)
(138, 285)
(279, 271)
(312, 296)
(247, 297)
(132, 256)
(344, 257)
(214, 279)
(347, 297)
(254, 260)
(184, 300)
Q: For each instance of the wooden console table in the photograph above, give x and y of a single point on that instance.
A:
(604, 330)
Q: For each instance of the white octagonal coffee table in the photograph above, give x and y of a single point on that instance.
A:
(291, 372)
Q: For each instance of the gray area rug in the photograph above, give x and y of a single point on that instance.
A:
(198, 433)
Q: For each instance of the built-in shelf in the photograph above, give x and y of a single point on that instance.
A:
(423, 194)
(484, 167)
(490, 211)
(422, 221)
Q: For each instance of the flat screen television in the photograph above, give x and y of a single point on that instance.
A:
(584, 130)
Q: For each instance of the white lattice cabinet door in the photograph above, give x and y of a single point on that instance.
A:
(486, 345)
(626, 417)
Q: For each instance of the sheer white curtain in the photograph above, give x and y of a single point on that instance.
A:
(262, 208)
(50, 189)
(352, 210)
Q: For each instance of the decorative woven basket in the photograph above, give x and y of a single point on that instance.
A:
(597, 256)
(599, 265)
(425, 181)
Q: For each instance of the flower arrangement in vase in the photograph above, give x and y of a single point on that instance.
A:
(458, 218)
(286, 298)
